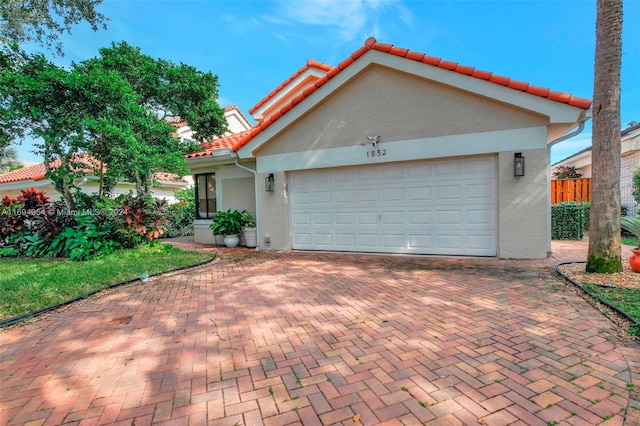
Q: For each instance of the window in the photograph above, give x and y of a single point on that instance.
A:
(206, 195)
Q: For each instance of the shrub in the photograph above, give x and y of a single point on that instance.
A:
(226, 223)
(566, 172)
(180, 216)
(136, 219)
(567, 221)
(636, 186)
(247, 220)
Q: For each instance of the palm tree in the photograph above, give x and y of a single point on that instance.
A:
(604, 227)
(8, 159)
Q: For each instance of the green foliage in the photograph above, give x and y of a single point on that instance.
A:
(180, 215)
(32, 226)
(567, 221)
(586, 207)
(226, 223)
(45, 21)
(106, 107)
(566, 172)
(632, 225)
(136, 219)
(8, 159)
(30, 284)
(247, 220)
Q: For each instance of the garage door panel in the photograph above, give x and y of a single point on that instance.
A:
(443, 207)
(345, 218)
(420, 194)
(368, 218)
(368, 240)
(344, 197)
(393, 218)
(419, 218)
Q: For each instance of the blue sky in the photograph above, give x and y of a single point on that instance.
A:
(254, 45)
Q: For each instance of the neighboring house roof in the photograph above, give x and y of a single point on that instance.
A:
(37, 172)
(220, 143)
(623, 133)
(372, 44)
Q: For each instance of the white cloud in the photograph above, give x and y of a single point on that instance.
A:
(351, 19)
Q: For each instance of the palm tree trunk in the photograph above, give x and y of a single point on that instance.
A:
(604, 254)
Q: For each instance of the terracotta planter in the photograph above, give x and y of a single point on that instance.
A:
(634, 259)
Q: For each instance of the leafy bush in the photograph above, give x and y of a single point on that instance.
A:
(567, 221)
(247, 220)
(136, 219)
(566, 172)
(226, 223)
(180, 216)
(31, 225)
(632, 225)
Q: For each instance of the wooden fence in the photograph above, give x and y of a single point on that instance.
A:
(578, 190)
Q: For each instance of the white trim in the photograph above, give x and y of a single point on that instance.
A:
(408, 150)
(311, 71)
(557, 112)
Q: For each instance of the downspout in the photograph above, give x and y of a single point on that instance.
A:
(255, 190)
(584, 116)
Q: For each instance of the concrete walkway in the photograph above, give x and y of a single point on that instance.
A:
(323, 339)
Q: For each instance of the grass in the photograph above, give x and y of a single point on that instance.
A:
(30, 284)
(625, 299)
(630, 241)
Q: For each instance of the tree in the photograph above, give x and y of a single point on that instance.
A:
(8, 159)
(604, 254)
(141, 143)
(45, 21)
(103, 114)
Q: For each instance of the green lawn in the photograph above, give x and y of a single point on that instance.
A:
(30, 284)
(625, 299)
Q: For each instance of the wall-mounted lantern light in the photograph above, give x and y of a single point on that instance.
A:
(269, 183)
(518, 164)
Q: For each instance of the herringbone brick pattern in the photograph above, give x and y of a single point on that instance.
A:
(323, 339)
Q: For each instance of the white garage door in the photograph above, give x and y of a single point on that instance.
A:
(433, 207)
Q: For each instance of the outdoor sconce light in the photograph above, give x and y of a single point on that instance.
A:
(268, 183)
(518, 164)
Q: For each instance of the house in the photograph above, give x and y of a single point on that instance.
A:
(34, 176)
(629, 163)
(393, 151)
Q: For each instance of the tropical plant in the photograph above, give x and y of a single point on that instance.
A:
(605, 252)
(566, 172)
(8, 159)
(136, 219)
(636, 186)
(226, 223)
(247, 220)
(179, 216)
(632, 225)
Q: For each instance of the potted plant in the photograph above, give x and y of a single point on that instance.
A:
(632, 224)
(249, 229)
(228, 224)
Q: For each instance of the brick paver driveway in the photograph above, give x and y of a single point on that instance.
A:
(303, 338)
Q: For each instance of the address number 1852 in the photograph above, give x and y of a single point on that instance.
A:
(376, 153)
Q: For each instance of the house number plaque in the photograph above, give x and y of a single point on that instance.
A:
(376, 153)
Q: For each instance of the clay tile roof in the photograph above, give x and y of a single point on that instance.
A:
(310, 64)
(372, 44)
(219, 143)
(35, 172)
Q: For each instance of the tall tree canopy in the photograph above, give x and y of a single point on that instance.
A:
(107, 107)
(604, 228)
(44, 21)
